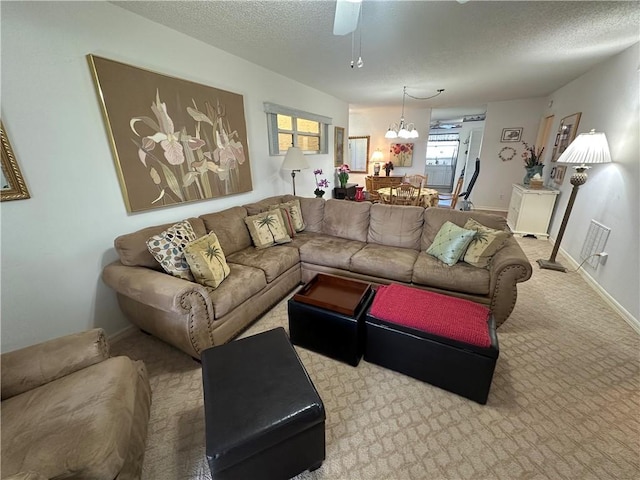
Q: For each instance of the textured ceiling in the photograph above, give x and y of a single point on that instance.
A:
(478, 52)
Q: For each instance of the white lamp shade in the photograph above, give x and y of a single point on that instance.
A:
(295, 160)
(390, 134)
(377, 156)
(589, 147)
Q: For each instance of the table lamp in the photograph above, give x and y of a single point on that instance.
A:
(295, 161)
(591, 148)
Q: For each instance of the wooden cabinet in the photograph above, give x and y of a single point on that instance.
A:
(530, 210)
(373, 183)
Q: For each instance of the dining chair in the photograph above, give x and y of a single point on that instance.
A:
(450, 200)
(405, 194)
(416, 180)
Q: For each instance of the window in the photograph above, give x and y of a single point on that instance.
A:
(289, 127)
(442, 149)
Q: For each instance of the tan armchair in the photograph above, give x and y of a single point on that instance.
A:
(69, 410)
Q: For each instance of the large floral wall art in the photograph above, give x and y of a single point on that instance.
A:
(174, 141)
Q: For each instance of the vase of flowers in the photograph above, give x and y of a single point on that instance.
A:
(343, 175)
(388, 167)
(533, 165)
(320, 183)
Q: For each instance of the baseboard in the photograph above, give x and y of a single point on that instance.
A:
(124, 333)
(619, 309)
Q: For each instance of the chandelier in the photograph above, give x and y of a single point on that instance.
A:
(403, 129)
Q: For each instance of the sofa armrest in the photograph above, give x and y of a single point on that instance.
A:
(30, 367)
(509, 266)
(156, 289)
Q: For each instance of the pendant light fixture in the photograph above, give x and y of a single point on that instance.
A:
(403, 129)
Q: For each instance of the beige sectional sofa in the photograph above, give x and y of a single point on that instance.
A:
(69, 410)
(373, 242)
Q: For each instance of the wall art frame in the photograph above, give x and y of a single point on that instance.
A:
(566, 134)
(12, 184)
(338, 140)
(511, 135)
(558, 173)
(173, 141)
(401, 154)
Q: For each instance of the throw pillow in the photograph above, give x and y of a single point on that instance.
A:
(207, 261)
(296, 213)
(286, 218)
(267, 229)
(450, 243)
(168, 249)
(486, 242)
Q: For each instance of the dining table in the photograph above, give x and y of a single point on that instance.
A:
(428, 196)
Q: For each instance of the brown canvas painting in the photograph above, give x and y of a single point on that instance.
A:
(174, 141)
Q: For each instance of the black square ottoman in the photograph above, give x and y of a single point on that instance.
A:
(445, 341)
(264, 418)
(327, 316)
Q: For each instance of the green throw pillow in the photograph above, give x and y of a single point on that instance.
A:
(450, 243)
(486, 242)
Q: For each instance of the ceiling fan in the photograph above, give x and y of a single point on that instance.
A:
(346, 18)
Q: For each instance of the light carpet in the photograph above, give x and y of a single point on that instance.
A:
(564, 402)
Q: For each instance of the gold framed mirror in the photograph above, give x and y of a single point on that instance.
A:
(359, 154)
(12, 186)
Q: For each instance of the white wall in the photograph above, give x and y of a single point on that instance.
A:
(375, 123)
(55, 244)
(493, 187)
(608, 97)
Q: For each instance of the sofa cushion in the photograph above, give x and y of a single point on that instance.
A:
(394, 263)
(461, 277)
(346, 219)
(312, 212)
(242, 283)
(267, 229)
(396, 226)
(434, 218)
(485, 243)
(450, 243)
(132, 247)
(168, 249)
(72, 431)
(207, 261)
(229, 227)
(330, 251)
(272, 261)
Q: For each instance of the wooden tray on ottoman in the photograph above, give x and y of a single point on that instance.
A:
(338, 294)
(327, 316)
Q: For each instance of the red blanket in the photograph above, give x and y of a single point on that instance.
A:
(434, 313)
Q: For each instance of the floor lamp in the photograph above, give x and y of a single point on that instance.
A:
(295, 161)
(589, 147)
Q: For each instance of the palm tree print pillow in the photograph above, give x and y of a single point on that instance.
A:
(486, 242)
(267, 229)
(207, 261)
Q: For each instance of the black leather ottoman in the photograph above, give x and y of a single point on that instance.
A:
(264, 418)
(334, 325)
(453, 365)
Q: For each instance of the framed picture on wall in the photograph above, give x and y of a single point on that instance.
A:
(339, 146)
(566, 133)
(174, 141)
(560, 170)
(511, 135)
(12, 185)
